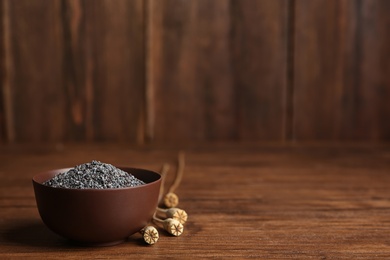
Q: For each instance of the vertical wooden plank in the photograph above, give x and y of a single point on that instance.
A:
(2, 117)
(78, 70)
(2, 121)
(7, 127)
(37, 98)
(118, 69)
(260, 43)
(2, 72)
(289, 94)
(76, 57)
(150, 113)
(191, 70)
(375, 69)
(341, 76)
(219, 69)
(325, 57)
(104, 69)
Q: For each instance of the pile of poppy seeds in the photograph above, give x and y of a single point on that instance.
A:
(94, 175)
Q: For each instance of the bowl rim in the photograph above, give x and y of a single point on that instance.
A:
(60, 170)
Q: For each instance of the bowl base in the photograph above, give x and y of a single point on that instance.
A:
(98, 244)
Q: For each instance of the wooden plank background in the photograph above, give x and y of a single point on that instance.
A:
(216, 76)
(341, 69)
(198, 70)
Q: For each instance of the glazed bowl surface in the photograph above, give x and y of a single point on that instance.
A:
(97, 217)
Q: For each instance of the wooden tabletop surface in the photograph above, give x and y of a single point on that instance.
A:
(262, 201)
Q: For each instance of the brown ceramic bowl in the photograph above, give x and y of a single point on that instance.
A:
(98, 217)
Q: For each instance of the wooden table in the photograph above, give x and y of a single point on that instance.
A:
(244, 201)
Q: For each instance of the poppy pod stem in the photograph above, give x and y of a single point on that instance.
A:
(163, 172)
(171, 199)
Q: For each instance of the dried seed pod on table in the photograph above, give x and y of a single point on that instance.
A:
(173, 226)
(150, 235)
(175, 213)
(171, 200)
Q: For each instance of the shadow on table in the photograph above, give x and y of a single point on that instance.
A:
(34, 234)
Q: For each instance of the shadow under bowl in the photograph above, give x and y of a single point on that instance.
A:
(97, 217)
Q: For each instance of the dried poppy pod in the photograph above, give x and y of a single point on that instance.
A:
(171, 200)
(175, 213)
(150, 235)
(173, 226)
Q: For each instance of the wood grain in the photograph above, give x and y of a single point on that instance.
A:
(84, 60)
(340, 83)
(2, 120)
(118, 70)
(259, 40)
(191, 70)
(215, 76)
(104, 70)
(36, 97)
(7, 115)
(2, 74)
(77, 71)
(167, 71)
(375, 68)
(243, 200)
